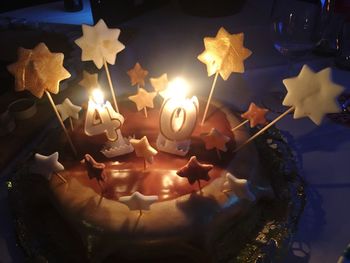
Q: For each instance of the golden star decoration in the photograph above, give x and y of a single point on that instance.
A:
(38, 70)
(159, 84)
(138, 201)
(143, 149)
(312, 94)
(195, 171)
(89, 81)
(255, 115)
(68, 110)
(143, 99)
(99, 43)
(215, 139)
(137, 75)
(224, 53)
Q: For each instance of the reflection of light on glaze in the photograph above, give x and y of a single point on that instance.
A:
(116, 163)
(121, 174)
(121, 188)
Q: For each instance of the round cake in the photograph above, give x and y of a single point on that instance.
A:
(188, 222)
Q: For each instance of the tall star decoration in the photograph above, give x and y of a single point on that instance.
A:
(240, 187)
(38, 70)
(215, 139)
(224, 53)
(195, 171)
(47, 165)
(160, 84)
(312, 94)
(99, 43)
(89, 81)
(255, 115)
(68, 110)
(143, 99)
(143, 149)
(137, 75)
(138, 201)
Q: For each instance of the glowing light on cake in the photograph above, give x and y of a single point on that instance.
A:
(178, 118)
(101, 118)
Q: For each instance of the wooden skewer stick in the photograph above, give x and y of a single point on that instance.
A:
(71, 123)
(199, 186)
(209, 99)
(144, 164)
(239, 125)
(61, 122)
(111, 85)
(145, 112)
(264, 129)
(218, 153)
(61, 177)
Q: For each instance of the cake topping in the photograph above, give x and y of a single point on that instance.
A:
(99, 43)
(144, 149)
(255, 115)
(47, 165)
(68, 110)
(239, 187)
(143, 99)
(89, 81)
(160, 84)
(138, 201)
(312, 94)
(137, 75)
(215, 139)
(195, 171)
(38, 70)
(95, 170)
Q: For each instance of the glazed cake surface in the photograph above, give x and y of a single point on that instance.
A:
(183, 212)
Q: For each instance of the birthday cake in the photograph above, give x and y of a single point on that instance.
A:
(141, 180)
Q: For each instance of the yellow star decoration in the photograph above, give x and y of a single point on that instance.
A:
(159, 84)
(224, 53)
(99, 43)
(137, 75)
(312, 94)
(38, 70)
(255, 115)
(215, 139)
(89, 81)
(143, 149)
(143, 99)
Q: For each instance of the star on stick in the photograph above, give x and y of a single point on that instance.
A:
(143, 99)
(240, 187)
(144, 149)
(137, 75)
(68, 110)
(160, 84)
(48, 165)
(195, 171)
(312, 94)
(255, 115)
(138, 201)
(89, 81)
(215, 140)
(223, 54)
(95, 170)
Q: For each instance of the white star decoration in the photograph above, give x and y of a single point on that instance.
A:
(47, 165)
(138, 201)
(240, 187)
(99, 43)
(312, 94)
(68, 110)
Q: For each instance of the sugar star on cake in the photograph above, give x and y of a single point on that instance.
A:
(312, 94)
(89, 81)
(160, 84)
(240, 187)
(138, 201)
(215, 140)
(255, 115)
(143, 99)
(68, 110)
(47, 165)
(144, 149)
(137, 75)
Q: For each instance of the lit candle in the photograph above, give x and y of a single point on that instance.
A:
(178, 118)
(102, 118)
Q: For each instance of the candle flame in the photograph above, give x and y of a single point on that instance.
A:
(97, 96)
(178, 88)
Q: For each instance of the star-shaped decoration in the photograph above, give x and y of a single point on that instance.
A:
(195, 171)
(255, 115)
(143, 149)
(89, 81)
(38, 70)
(47, 165)
(137, 75)
(224, 53)
(99, 43)
(138, 201)
(215, 139)
(68, 110)
(94, 169)
(312, 94)
(143, 99)
(160, 84)
(240, 187)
